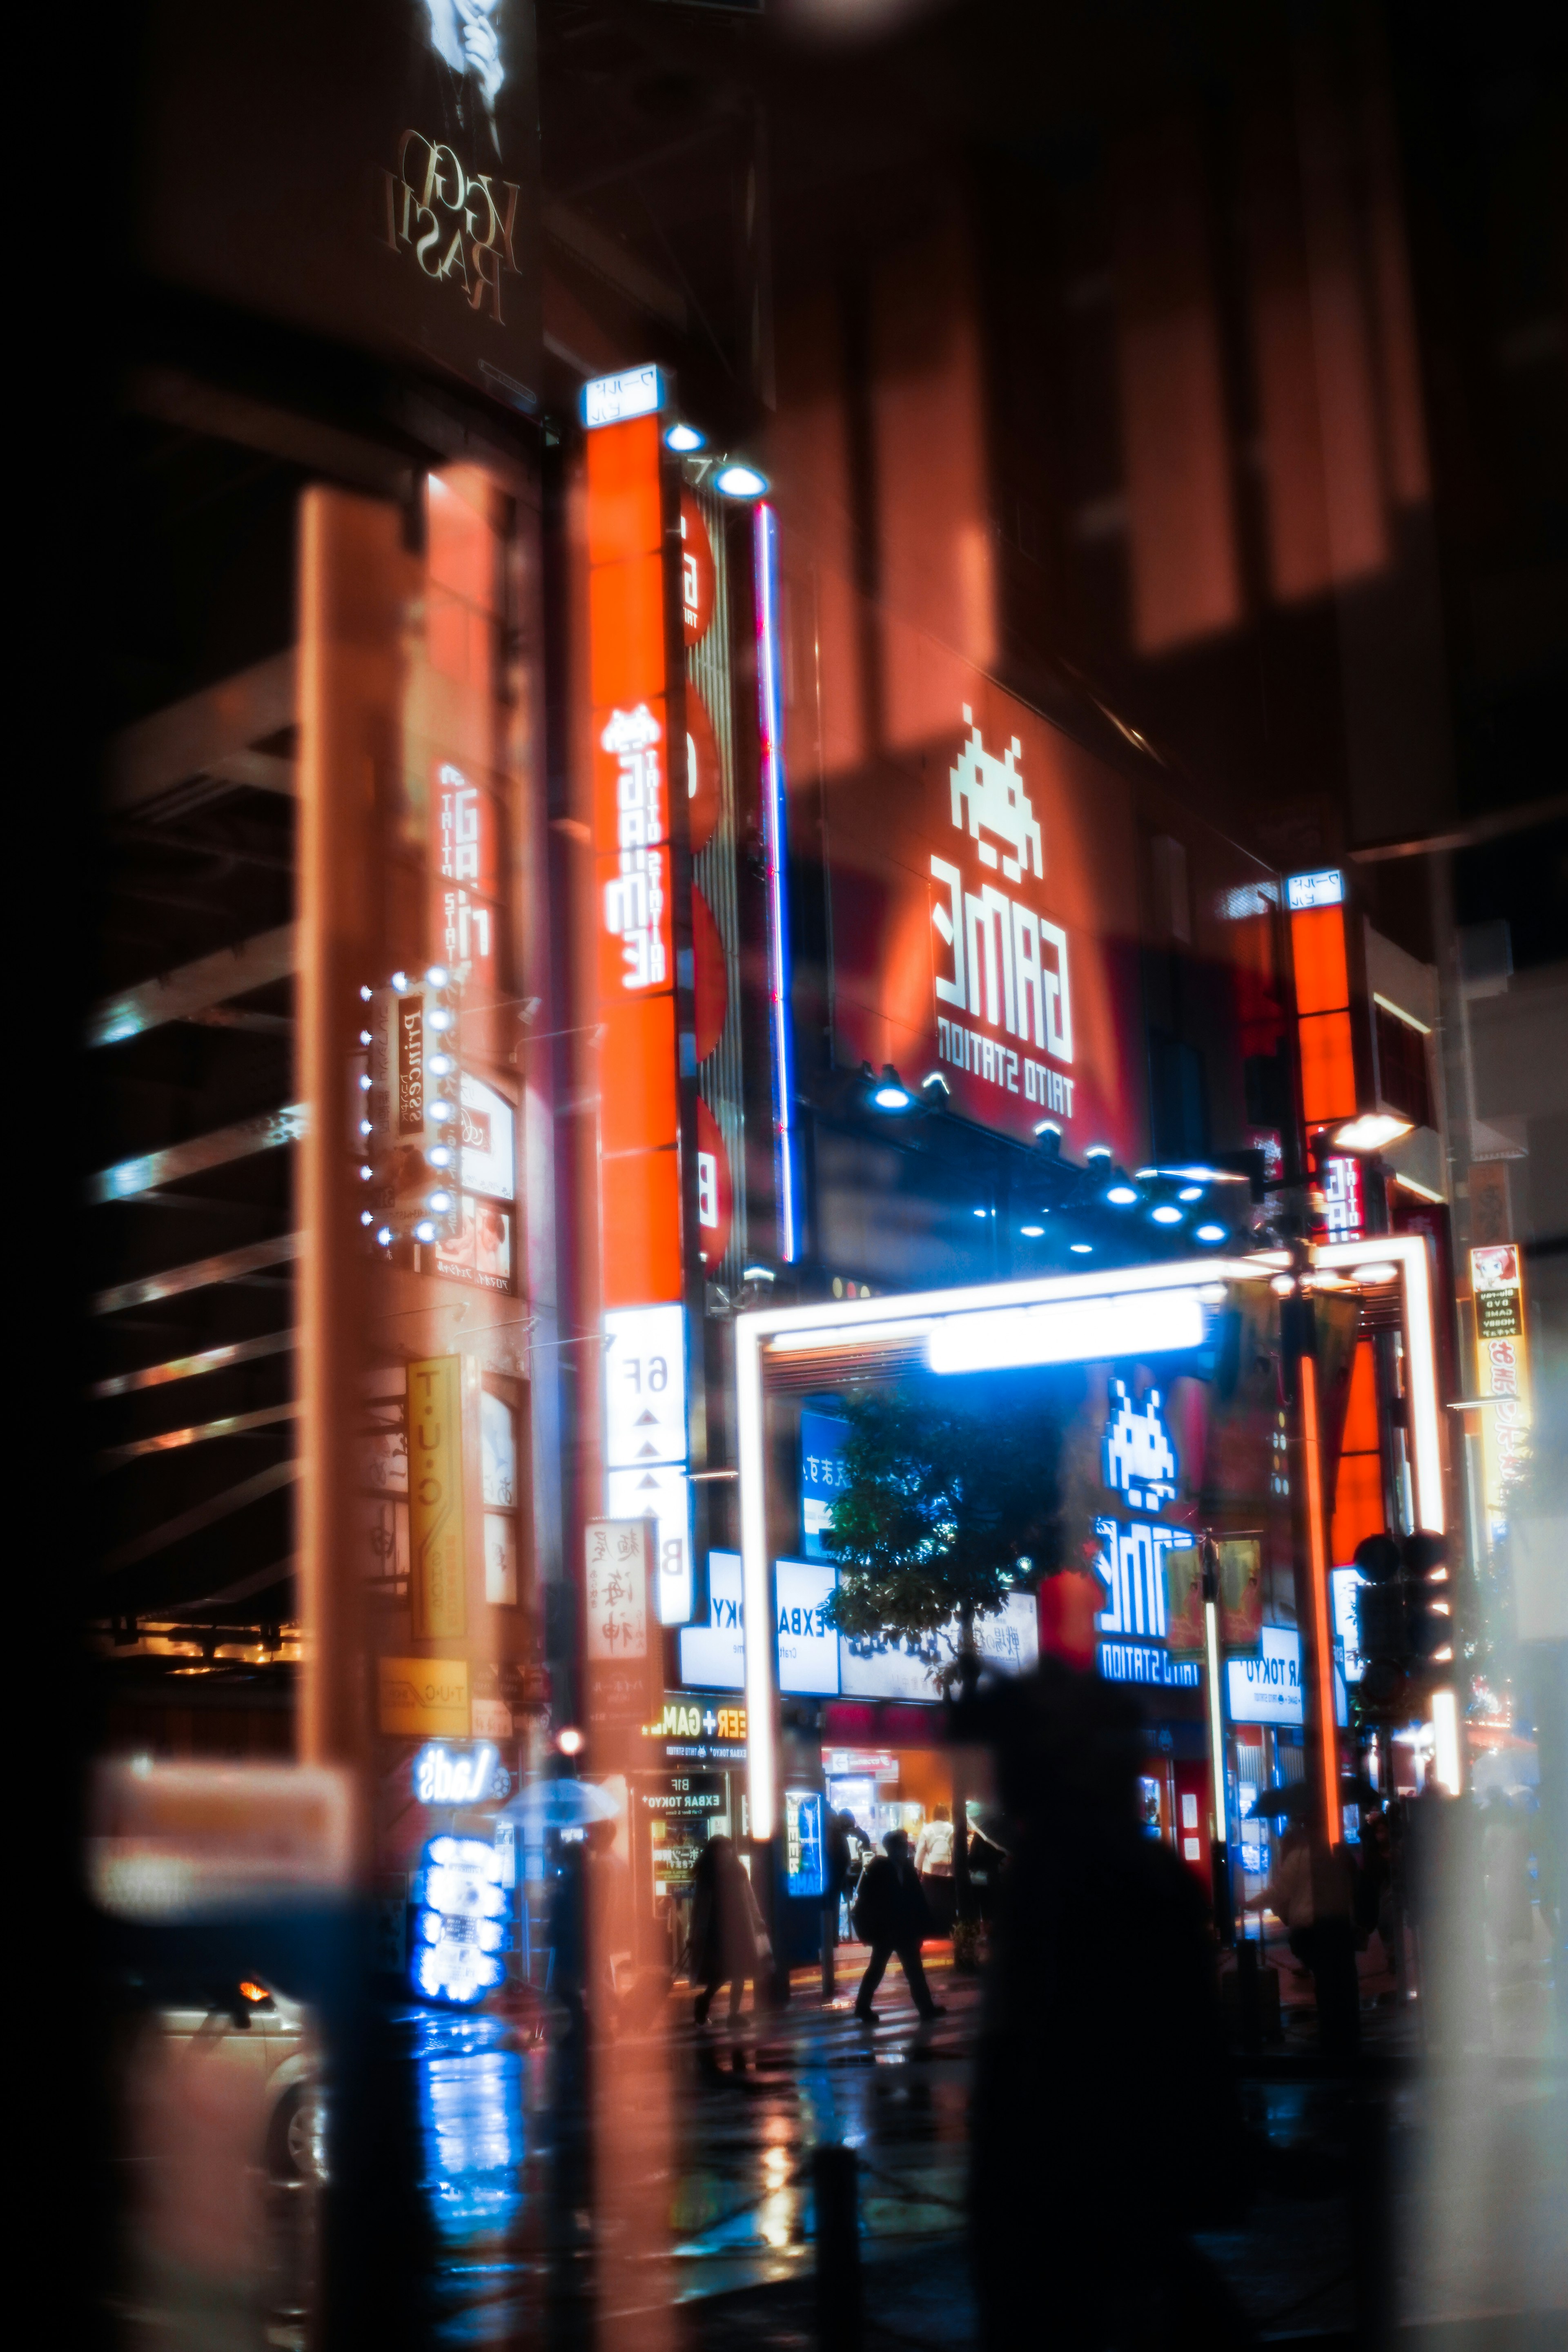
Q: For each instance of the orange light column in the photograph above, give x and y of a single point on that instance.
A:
(1325, 1728)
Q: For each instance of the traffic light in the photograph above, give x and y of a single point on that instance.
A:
(1404, 1628)
(409, 1129)
(1428, 1619)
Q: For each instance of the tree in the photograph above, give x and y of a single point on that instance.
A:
(950, 1505)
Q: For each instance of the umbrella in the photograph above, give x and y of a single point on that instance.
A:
(1289, 1803)
(560, 1804)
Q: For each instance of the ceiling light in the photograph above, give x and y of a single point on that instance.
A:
(1377, 1273)
(1191, 1192)
(684, 439)
(1371, 1131)
(1122, 1196)
(1210, 1233)
(1031, 1232)
(1166, 1214)
(1081, 1249)
(736, 480)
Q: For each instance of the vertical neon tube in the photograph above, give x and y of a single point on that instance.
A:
(1317, 1570)
(1221, 1831)
(761, 1779)
(775, 850)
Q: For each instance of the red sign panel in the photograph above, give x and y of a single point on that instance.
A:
(984, 911)
(640, 1193)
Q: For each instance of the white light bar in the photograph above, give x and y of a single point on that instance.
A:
(1067, 1331)
(611, 399)
(1407, 1252)
(1326, 888)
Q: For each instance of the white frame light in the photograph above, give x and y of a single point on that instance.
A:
(834, 1322)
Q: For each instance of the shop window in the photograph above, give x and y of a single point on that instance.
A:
(501, 1495)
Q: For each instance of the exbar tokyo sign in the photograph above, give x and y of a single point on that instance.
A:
(983, 919)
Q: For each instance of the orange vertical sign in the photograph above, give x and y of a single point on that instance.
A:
(435, 1499)
(640, 1193)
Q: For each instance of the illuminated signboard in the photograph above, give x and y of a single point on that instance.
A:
(639, 1165)
(980, 891)
(713, 1656)
(824, 1474)
(460, 1921)
(459, 1776)
(813, 1658)
(1268, 1688)
(698, 1732)
(646, 1441)
(1502, 1369)
(612, 399)
(1138, 1462)
(806, 1854)
(1326, 888)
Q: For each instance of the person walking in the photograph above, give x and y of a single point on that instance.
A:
(933, 1868)
(891, 1916)
(728, 1938)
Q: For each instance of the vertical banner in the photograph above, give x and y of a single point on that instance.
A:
(640, 1158)
(435, 1499)
(1502, 1371)
(623, 1654)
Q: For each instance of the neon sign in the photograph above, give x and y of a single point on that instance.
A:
(459, 1924)
(458, 1775)
(1138, 1461)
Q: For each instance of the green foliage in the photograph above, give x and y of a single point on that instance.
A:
(949, 1507)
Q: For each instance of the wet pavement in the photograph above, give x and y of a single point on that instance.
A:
(699, 2229)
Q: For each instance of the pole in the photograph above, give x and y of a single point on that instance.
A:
(1325, 1731)
(1219, 1826)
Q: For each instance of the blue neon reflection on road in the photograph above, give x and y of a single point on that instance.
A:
(471, 2118)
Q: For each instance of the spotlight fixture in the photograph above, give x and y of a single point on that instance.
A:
(1098, 1151)
(1167, 1213)
(1210, 1233)
(1122, 1196)
(890, 1093)
(684, 439)
(1031, 1232)
(1081, 1249)
(735, 480)
(1371, 1131)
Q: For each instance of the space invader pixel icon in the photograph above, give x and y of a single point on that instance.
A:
(997, 802)
(1140, 1459)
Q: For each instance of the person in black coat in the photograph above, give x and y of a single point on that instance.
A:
(1105, 2124)
(890, 1915)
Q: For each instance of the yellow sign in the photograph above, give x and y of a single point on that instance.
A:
(436, 1499)
(1502, 1371)
(417, 1697)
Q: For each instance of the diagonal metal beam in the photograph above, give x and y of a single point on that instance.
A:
(204, 1515)
(194, 737)
(191, 1367)
(257, 1581)
(227, 1266)
(193, 988)
(169, 1441)
(198, 1153)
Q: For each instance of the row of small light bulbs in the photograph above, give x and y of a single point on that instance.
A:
(439, 1065)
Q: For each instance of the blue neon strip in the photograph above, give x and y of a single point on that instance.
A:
(776, 846)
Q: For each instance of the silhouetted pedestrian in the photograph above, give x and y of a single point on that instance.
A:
(728, 1938)
(1105, 2120)
(891, 1916)
(933, 1868)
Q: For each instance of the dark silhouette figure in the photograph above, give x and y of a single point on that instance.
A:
(890, 1915)
(843, 1834)
(727, 1933)
(1105, 2124)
